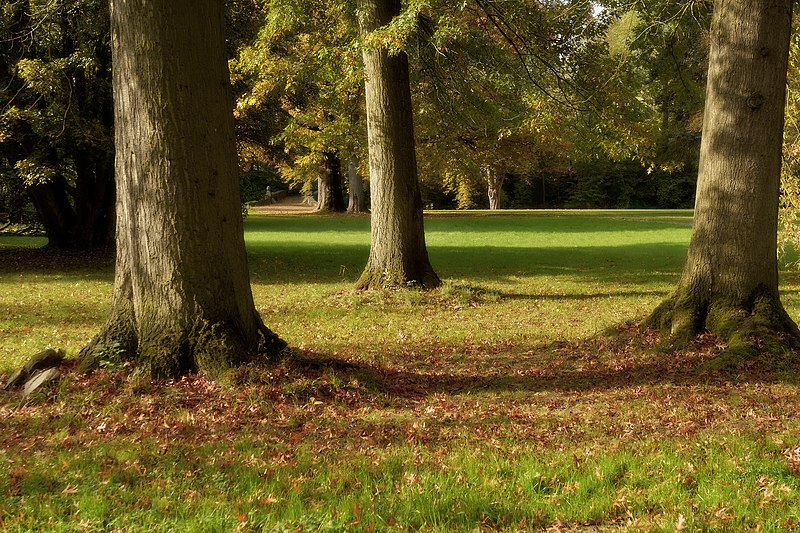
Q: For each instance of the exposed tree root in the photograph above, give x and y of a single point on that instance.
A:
(116, 342)
(210, 348)
(758, 323)
(399, 278)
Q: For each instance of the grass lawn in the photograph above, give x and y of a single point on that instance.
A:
(504, 400)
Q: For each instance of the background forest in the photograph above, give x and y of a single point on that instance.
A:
(558, 370)
(572, 104)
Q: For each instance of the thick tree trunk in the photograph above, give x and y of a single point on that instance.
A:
(398, 256)
(358, 201)
(729, 284)
(55, 212)
(94, 198)
(494, 182)
(78, 217)
(182, 298)
(330, 196)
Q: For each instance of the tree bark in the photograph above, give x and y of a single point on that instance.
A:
(729, 284)
(494, 182)
(357, 202)
(398, 256)
(182, 300)
(330, 196)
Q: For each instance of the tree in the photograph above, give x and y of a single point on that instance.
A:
(306, 60)
(494, 182)
(329, 185)
(182, 299)
(357, 199)
(499, 85)
(729, 284)
(56, 122)
(398, 255)
(659, 51)
(789, 221)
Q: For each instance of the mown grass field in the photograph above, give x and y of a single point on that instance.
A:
(514, 398)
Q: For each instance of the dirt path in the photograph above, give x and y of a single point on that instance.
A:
(290, 205)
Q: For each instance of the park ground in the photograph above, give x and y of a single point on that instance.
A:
(520, 396)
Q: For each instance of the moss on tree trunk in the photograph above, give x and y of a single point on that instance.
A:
(421, 277)
(211, 348)
(742, 323)
(729, 284)
(182, 299)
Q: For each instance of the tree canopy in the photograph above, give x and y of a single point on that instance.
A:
(56, 121)
(544, 92)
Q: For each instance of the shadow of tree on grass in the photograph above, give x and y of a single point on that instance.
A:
(50, 261)
(643, 364)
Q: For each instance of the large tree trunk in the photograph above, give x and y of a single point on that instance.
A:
(54, 210)
(494, 182)
(330, 194)
(94, 201)
(398, 256)
(182, 300)
(358, 201)
(729, 284)
(79, 217)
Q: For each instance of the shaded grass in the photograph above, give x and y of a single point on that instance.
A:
(548, 271)
(318, 444)
(49, 299)
(331, 249)
(22, 241)
(497, 402)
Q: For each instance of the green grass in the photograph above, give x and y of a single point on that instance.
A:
(22, 242)
(500, 401)
(535, 277)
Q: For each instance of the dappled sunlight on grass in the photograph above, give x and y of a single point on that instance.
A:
(518, 396)
(50, 299)
(549, 275)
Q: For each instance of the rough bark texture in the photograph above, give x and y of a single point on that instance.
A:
(494, 182)
(182, 298)
(358, 201)
(729, 285)
(330, 196)
(398, 256)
